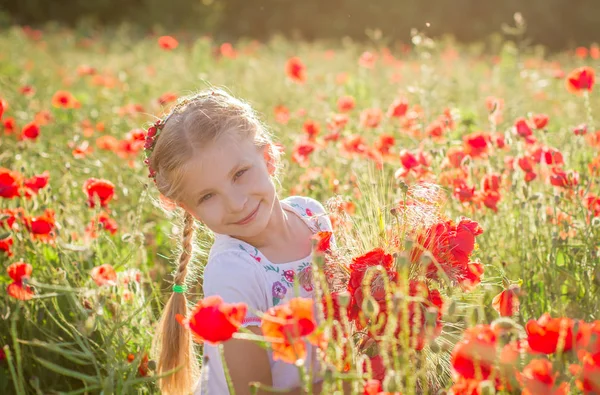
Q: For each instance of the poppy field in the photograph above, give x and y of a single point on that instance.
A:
(462, 182)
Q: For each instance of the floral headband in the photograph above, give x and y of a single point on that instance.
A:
(154, 130)
(151, 136)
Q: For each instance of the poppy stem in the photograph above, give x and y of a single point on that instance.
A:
(226, 370)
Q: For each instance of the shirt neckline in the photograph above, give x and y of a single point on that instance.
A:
(287, 207)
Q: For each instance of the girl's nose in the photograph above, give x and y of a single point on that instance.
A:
(237, 202)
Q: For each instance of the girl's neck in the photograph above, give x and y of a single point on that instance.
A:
(278, 230)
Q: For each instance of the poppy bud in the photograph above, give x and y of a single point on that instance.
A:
(370, 307)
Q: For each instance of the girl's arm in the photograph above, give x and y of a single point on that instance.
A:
(248, 362)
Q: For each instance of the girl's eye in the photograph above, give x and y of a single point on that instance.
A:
(239, 173)
(205, 197)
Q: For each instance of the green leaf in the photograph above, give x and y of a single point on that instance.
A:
(67, 372)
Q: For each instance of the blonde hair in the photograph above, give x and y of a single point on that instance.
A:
(194, 122)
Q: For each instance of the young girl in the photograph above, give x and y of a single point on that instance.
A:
(213, 157)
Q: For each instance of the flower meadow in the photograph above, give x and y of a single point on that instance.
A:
(462, 182)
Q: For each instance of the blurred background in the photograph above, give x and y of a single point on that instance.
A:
(556, 24)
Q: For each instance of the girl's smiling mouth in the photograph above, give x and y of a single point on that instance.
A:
(249, 217)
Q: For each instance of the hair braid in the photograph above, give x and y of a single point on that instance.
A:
(172, 341)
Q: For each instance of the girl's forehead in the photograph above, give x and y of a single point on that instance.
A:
(214, 161)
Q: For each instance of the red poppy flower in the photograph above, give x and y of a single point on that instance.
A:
(166, 98)
(35, 183)
(398, 108)
(10, 183)
(367, 60)
(580, 130)
(476, 144)
(346, 104)
(311, 128)
(9, 125)
(64, 99)
(581, 52)
(108, 224)
(523, 129)
(372, 387)
(371, 117)
(562, 179)
(302, 151)
(167, 42)
(6, 245)
(213, 320)
(475, 355)
(537, 378)
(104, 275)
(384, 143)
(286, 325)
(103, 190)
(544, 334)
(588, 337)
(540, 121)
(3, 107)
(31, 131)
(295, 70)
(19, 271)
(588, 373)
(323, 241)
(42, 227)
(506, 303)
(282, 114)
(581, 79)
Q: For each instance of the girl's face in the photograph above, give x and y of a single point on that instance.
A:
(227, 187)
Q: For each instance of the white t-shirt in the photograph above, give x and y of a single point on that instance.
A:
(238, 272)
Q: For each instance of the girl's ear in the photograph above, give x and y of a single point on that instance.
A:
(268, 155)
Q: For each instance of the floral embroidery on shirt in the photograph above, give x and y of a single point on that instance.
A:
(278, 291)
(289, 275)
(255, 255)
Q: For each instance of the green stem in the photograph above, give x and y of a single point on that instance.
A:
(19, 373)
(226, 370)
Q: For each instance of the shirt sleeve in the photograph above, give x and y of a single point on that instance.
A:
(237, 279)
(314, 208)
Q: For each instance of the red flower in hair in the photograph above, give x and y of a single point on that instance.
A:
(167, 42)
(543, 335)
(581, 79)
(103, 190)
(295, 70)
(18, 272)
(213, 320)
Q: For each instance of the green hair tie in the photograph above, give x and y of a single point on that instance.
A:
(179, 288)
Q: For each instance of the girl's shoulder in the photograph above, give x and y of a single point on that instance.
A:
(306, 205)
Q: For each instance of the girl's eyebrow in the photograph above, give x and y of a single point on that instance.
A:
(230, 174)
